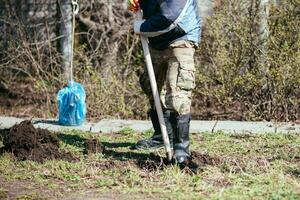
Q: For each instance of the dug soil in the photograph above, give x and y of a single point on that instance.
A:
(204, 159)
(154, 162)
(26, 142)
(93, 146)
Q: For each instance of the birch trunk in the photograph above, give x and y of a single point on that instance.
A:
(205, 8)
(263, 28)
(66, 33)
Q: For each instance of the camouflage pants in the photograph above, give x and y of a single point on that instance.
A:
(175, 75)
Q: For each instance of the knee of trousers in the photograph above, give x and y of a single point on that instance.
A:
(181, 81)
(180, 102)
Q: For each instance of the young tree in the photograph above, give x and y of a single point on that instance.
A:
(66, 32)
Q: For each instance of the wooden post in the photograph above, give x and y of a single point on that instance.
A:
(66, 33)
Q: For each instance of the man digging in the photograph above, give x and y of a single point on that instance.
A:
(173, 28)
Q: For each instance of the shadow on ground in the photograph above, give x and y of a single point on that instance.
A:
(74, 140)
(114, 151)
(109, 147)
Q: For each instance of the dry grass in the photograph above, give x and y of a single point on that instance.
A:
(235, 79)
(236, 166)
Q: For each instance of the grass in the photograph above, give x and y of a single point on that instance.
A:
(265, 166)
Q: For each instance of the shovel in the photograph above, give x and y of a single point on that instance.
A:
(155, 92)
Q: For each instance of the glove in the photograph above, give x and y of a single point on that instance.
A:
(137, 26)
(133, 5)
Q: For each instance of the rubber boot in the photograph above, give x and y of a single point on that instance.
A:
(156, 141)
(181, 139)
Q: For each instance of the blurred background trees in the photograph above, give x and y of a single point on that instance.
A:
(248, 61)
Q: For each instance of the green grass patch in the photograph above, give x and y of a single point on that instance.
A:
(265, 166)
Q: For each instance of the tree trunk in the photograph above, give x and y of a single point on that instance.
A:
(205, 8)
(66, 33)
(263, 27)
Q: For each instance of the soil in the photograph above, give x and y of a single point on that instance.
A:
(152, 163)
(109, 164)
(26, 142)
(33, 103)
(155, 162)
(93, 146)
(21, 100)
(204, 159)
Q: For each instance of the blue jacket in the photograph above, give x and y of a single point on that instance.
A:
(167, 21)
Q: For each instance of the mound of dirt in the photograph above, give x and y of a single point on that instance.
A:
(204, 159)
(93, 146)
(26, 142)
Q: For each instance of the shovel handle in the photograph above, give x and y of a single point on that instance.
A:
(155, 92)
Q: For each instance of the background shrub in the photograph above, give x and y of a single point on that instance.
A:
(244, 72)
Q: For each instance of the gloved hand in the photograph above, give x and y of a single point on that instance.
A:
(137, 26)
(133, 5)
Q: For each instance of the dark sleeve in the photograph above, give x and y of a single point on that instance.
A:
(169, 11)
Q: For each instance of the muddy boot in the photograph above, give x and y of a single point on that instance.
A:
(156, 141)
(181, 139)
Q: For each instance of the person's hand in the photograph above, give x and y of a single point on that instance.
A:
(137, 26)
(133, 5)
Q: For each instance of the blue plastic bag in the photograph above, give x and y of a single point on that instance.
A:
(71, 104)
